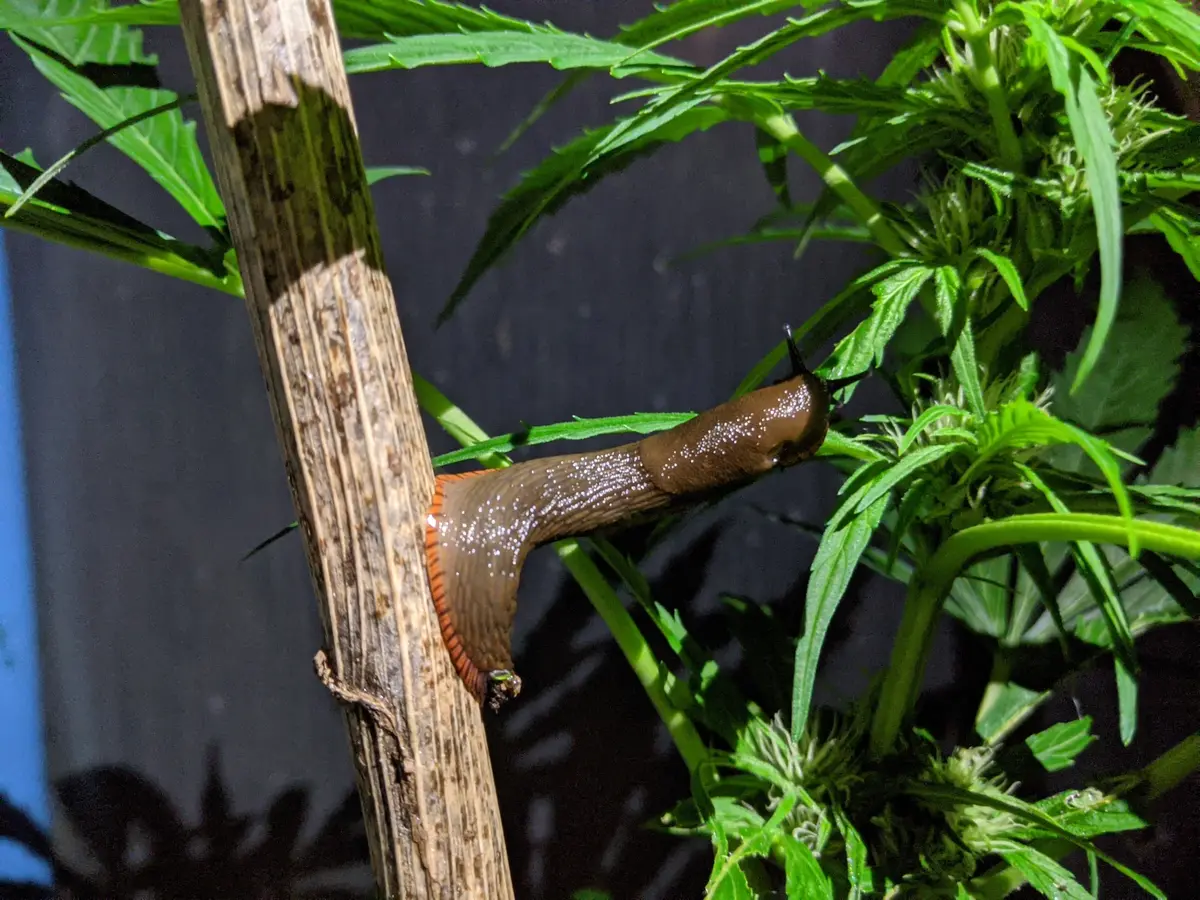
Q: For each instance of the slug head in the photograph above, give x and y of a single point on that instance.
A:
(742, 439)
(792, 417)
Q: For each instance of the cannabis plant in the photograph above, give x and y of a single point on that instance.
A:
(1005, 492)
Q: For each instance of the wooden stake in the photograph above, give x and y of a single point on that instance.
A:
(277, 109)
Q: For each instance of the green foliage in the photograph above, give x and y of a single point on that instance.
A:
(550, 46)
(1057, 746)
(165, 145)
(1014, 498)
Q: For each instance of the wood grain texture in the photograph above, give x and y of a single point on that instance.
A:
(284, 140)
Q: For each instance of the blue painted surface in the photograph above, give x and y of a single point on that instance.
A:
(22, 752)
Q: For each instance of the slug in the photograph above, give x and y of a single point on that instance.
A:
(482, 524)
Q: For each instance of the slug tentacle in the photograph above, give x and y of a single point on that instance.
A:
(480, 529)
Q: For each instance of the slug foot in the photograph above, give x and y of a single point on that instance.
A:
(502, 685)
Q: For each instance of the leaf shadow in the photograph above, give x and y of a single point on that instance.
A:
(137, 845)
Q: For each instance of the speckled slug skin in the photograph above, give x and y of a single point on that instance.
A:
(481, 525)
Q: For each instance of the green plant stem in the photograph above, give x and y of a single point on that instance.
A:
(783, 129)
(650, 674)
(987, 79)
(1166, 772)
(931, 584)
(646, 667)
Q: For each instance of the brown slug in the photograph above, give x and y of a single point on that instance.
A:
(481, 525)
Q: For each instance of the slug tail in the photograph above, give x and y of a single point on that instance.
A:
(476, 681)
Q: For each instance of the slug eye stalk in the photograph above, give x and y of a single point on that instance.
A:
(798, 367)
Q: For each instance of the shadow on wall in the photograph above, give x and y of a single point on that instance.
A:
(134, 844)
(139, 847)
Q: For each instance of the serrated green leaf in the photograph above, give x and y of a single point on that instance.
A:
(883, 484)
(955, 322)
(667, 621)
(736, 819)
(558, 49)
(1005, 709)
(1045, 875)
(375, 174)
(1095, 141)
(924, 420)
(726, 881)
(865, 345)
(1171, 15)
(1123, 389)
(67, 214)
(98, 12)
(1021, 424)
(1004, 266)
(165, 145)
(1184, 243)
(1146, 604)
(669, 104)
(565, 174)
(845, 96)
(1030, 814)
(364, 19)
(757, 844)
(858, 872)
(678, 20)
(372, 20)
(980, 597)
(876, 144)
(1057, 746)
(63, 161)
(805, 879)
(837, 557)
(1085, 814)
(578, 430)
(1180, 463)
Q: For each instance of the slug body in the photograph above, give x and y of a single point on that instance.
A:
(481, 525)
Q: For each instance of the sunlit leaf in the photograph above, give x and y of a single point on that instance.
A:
(165, 145)
(67, 214)
(376, 174)
(552, 47)
(578, 430)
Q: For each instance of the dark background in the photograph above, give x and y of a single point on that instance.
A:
(178, 685)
